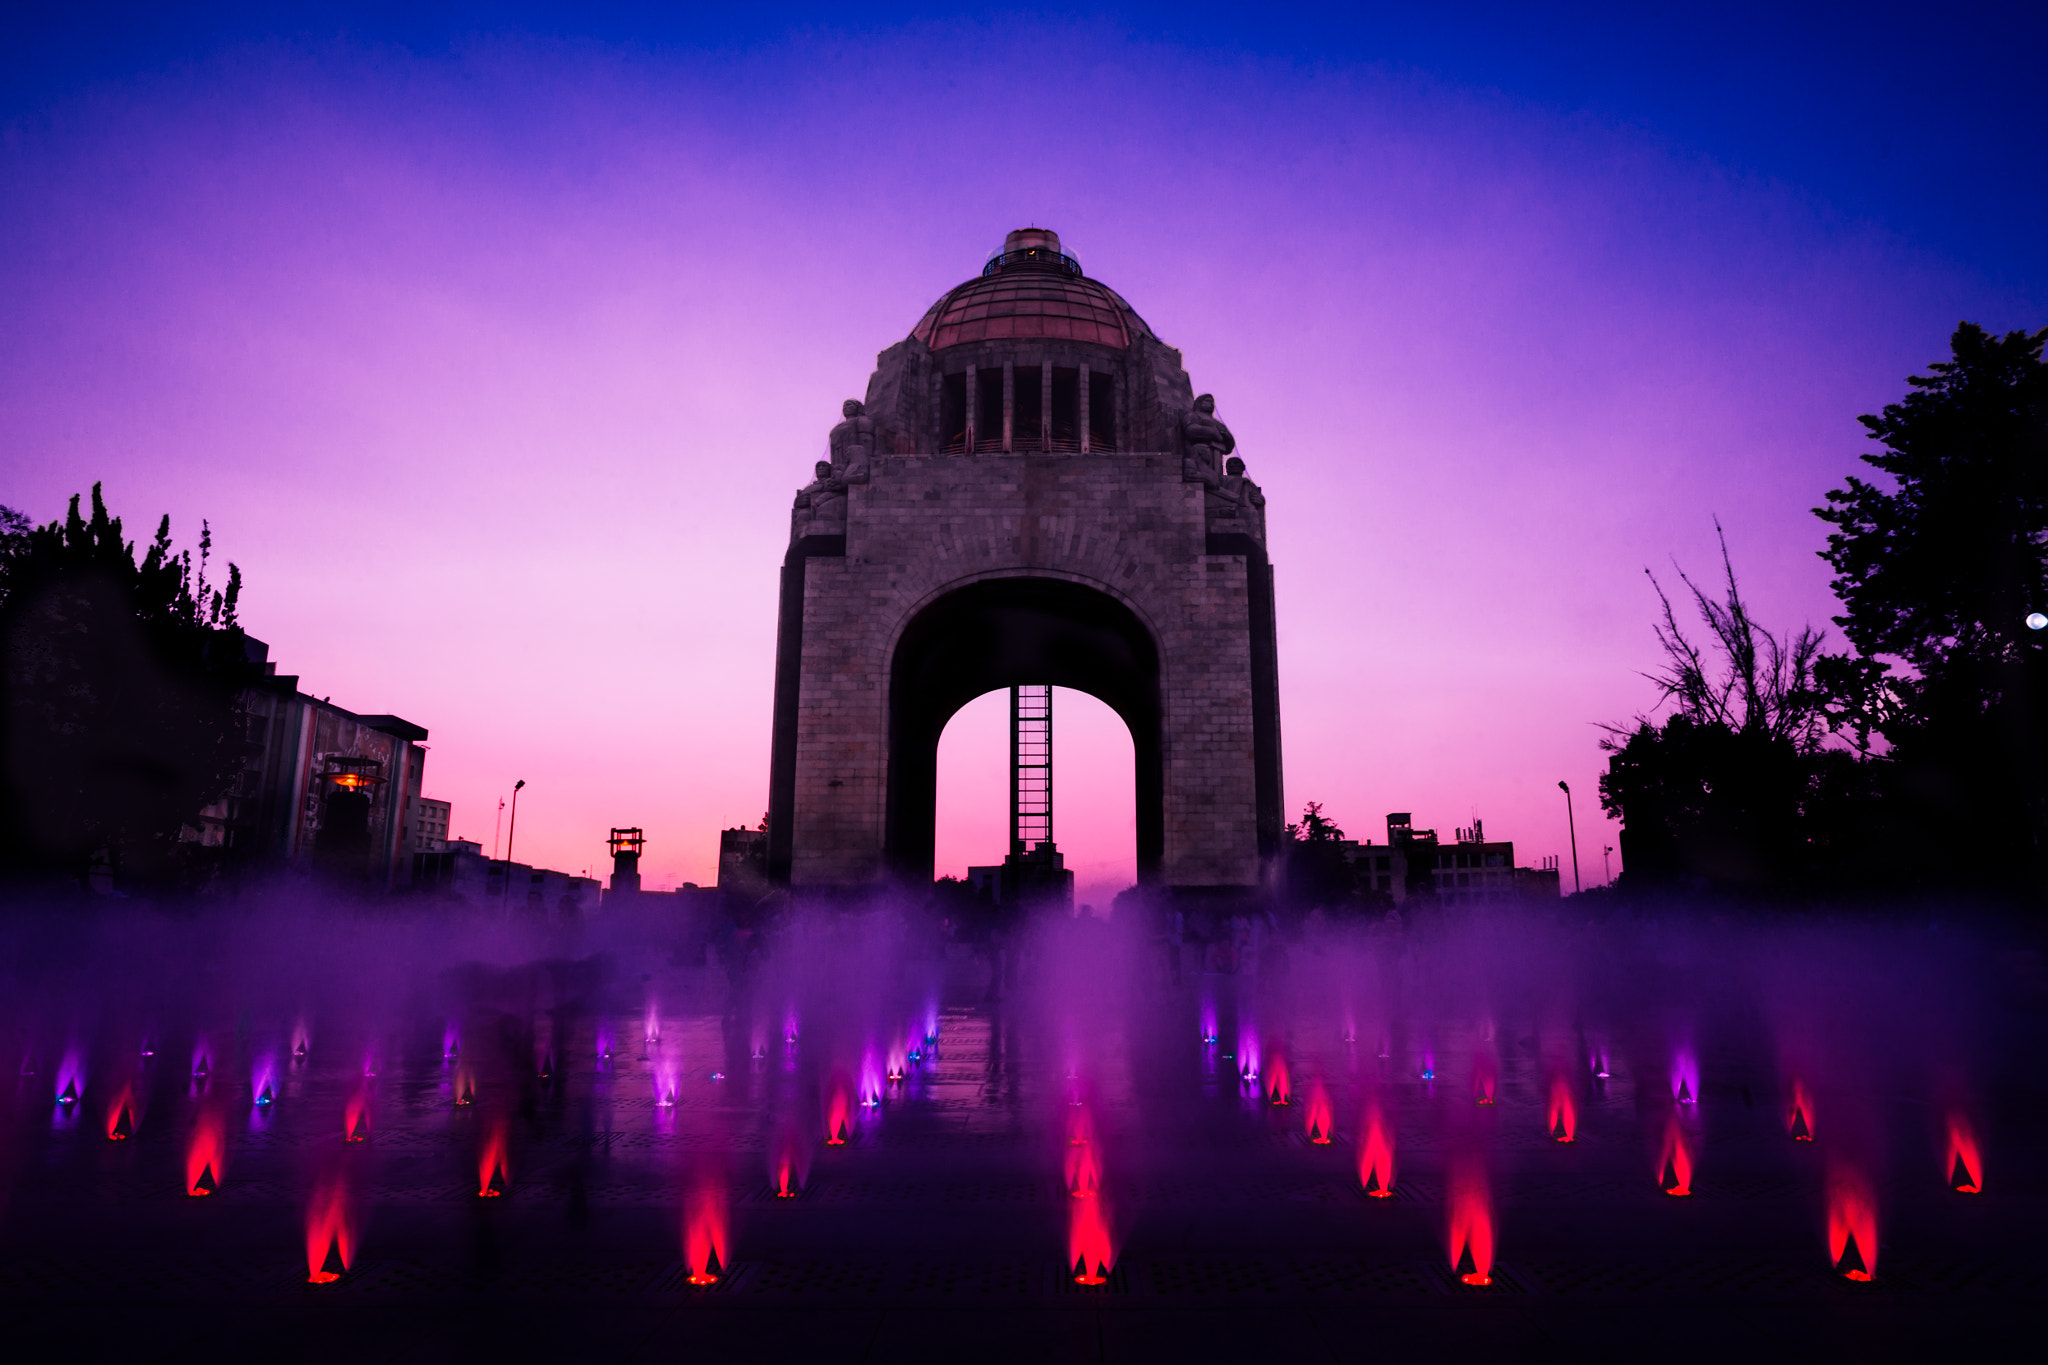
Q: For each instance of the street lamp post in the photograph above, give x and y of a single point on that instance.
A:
(1606, 872)
(512, 832)
(1569, 823)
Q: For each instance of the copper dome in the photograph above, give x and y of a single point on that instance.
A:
(1030, 289)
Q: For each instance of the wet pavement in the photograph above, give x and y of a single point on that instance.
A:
(944, 1226)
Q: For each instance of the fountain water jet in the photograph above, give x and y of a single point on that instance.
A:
(355, 1123)
(1852, 1224)
(1278, 1089)
(1674, 1163)
(1376, 1154)
(704, 1234)
(1685, 1077)
(206, 1153)
(1799, 1113)
(492, 1176)
(1471, 1225)
(837, 1114)
(121, 1116)
(1561, 1116)
(330, 1239)
(1965, 1168)
(1484, 1077)
(1089, 1252)
(1318, 1118)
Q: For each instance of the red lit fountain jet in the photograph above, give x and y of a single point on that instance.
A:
(1278, 1088)
(1561, 1116)
(355, 1121)
(491, 1177)
(1674, 1165)
(1320, 1115)
(1799, 1112)
(1088, 1245)
(838, 1109)
(330, 1241)
(1376, 1155)
(1852, 1224)
(704, 1235)
(1471, 1227)
(1965, 1168)
(206, 1154)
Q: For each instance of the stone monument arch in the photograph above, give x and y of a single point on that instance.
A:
(1030, 493)
(1001, 631)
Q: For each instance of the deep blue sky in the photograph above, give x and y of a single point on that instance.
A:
(1923, 120)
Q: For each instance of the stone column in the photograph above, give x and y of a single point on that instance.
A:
(1009, 406)
(1045, 404)
(972, 399)
(1081, 418)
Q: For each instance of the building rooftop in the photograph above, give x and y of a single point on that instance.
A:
(1030, 288)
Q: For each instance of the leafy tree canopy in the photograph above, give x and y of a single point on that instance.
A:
(1938, 574)
(119, 686)
(1943, 570)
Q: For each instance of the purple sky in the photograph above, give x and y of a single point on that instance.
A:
(495, 370)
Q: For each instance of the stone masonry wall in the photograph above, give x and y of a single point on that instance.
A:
(1125, 524)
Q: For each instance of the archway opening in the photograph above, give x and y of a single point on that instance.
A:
(1094, 785)
(1007, 632)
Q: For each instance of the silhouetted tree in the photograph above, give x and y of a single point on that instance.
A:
(1938, 575)
(1318, 873)
(119, 687)
(1720, 794)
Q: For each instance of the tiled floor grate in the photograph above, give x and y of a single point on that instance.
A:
(1213, 1279)
(834, 1278)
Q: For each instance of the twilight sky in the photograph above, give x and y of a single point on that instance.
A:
(493, 348)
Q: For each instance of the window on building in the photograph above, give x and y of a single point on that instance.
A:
(988, 408)
(1102, 412)
(953, 414)
(1027, 408)
(1066, 410)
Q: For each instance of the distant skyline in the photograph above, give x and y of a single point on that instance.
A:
(494, 348)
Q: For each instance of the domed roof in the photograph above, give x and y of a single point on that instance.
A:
(1030, 289)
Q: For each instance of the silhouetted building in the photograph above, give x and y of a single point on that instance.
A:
(461, 872)
(1472, 870)
(743, 865)
(1037, 878)
(325, 788)
(626, 846)
(430, 825)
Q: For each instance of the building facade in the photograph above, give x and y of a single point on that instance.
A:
(1030, 493)
(1473, 870)
(325, 790)
(430, 825)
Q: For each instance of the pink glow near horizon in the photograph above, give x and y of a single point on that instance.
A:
(496, 376)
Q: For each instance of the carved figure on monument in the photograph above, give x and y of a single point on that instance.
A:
(1238, 489)
(1236, 503)
(853, 441)
(1204, 441)
(820, 504)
